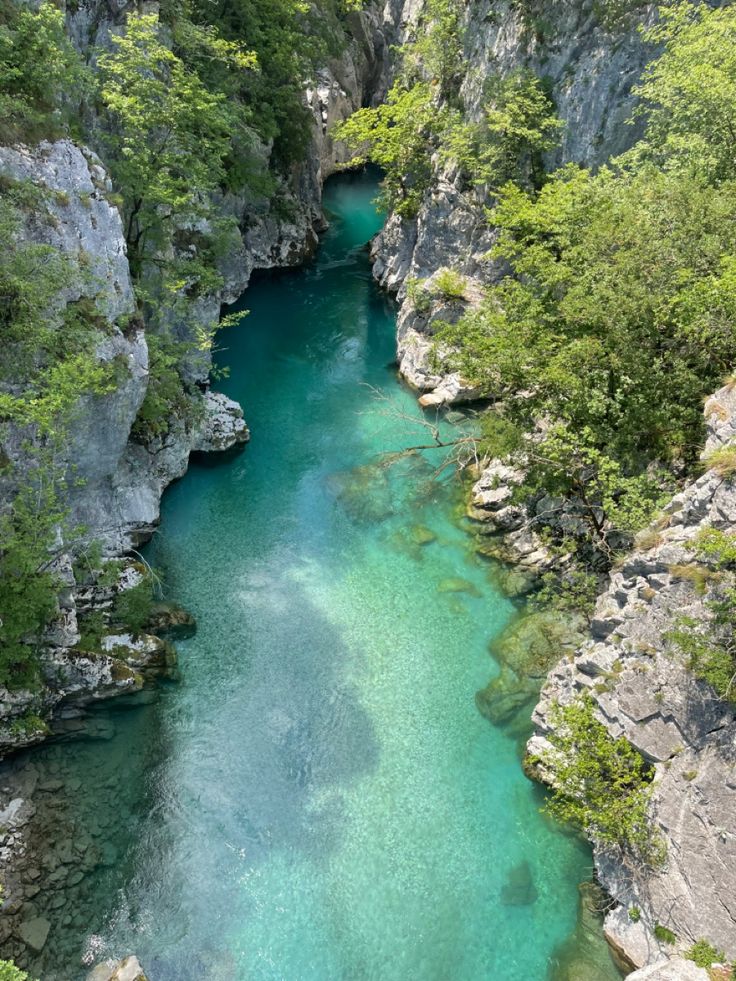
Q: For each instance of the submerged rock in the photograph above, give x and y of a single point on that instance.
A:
(504, 699)
(421, 535)
(170, 620)
(34, 933)
(586, 956)
(455, 584)
(519, 888)
(128, 969)
(364, 492)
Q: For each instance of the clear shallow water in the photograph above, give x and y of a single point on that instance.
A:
(319, 798)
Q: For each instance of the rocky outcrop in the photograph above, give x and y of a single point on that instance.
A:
(644, 691)
(590, 68)
(118, 479)
(676, 969)
(128, 969)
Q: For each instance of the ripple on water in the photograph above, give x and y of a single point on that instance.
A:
(319, 798)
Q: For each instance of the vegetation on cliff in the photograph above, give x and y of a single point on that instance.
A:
(602, 785)
(615, 319)
(183, 107)
(423, 123)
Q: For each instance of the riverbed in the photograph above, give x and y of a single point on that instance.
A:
(318, 798)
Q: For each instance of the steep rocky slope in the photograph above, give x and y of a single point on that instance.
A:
(118, 480)
(641, 689)
(644, 691)
(590, 70)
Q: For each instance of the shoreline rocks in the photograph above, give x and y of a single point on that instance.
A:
(644, 691)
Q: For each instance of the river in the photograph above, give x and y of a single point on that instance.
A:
(318, 798)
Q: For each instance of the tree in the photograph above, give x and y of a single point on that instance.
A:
(616, 316)
(9, 972)
(398, 136)
(436, 53)
(600, 784)
(519, 125)
(689, 91)
(48, 354)
(170, 136)
(709, 643)
(38, 67)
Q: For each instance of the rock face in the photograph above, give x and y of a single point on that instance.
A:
(590, 69)
(118, 479)
(644, 691)
(674, 970)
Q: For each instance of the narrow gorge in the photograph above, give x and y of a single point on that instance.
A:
(271, 685)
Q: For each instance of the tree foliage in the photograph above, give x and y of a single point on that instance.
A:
(615, 317)
(398, 136)
(601, 784)
(170, 136)
(38, 67)
(518, 127)
(689, 92)
(48, 363)
(9, 972)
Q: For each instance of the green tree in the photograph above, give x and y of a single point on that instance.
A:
(435, 54)
(9, 972)
(689, 91)
(519, 126)
(170, 135)
(38, 67)
(709, 643)
(601, 784)
(48, 362)
(616, 317)
(399, 137)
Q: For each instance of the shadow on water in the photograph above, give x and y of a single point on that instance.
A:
(284, 733)
(319, 798)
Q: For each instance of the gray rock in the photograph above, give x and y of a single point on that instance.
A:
(674, 721)
(128, 969)
(671, 970)
(35, 932)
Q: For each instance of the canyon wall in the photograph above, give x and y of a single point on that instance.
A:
(641, 691)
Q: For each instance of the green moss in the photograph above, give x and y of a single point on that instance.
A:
(29, 725)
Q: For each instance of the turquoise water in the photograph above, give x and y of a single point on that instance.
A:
(318, 798)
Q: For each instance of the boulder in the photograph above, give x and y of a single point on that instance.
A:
(34, 933)
(128, 969)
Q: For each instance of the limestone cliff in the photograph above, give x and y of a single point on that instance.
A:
(116, 481)
(641, 689)
(590, 69)
(644, 691)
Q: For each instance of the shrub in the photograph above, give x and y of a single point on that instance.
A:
(709, 643)
(28, 725)
(133, 606)
(704, 954)
(449, 284)
(664, 935)
(722, 461)
(9, 972)
(601, 783)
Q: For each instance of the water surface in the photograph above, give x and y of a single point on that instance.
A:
(318, 798)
